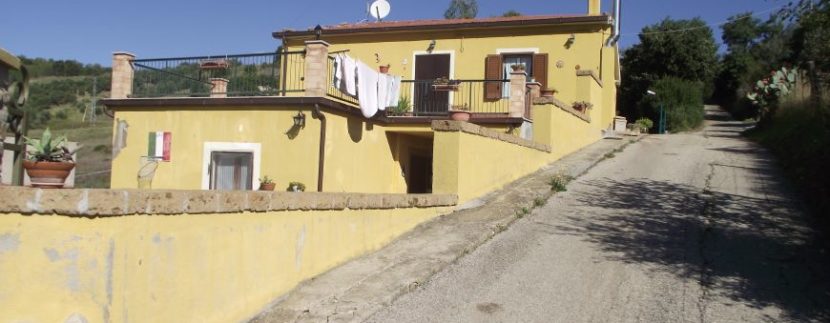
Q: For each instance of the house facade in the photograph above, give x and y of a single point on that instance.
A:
(226, 122)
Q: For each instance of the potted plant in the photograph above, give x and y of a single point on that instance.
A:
(266, 184)
(582, 106)
(644, 124)
(401, 109)
(444, 84)
(384, 68)
(460, 113)
(518, 67)
(48, 161)
(296, 187)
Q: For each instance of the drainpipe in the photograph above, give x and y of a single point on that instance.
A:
(321, 161)
(615, 37)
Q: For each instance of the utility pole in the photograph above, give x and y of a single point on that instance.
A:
(93, 107)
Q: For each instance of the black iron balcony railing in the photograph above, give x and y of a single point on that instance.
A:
(333, 90)
(477, 96)
(259, 74)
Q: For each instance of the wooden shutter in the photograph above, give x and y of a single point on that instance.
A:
(540, 69)
(493, 71)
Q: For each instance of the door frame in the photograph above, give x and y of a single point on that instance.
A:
(417, 53)
(241, 147)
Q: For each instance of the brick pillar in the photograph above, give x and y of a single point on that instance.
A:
(219, 89)
(316, 71)
(518, 81)
(594, 7)
(535, 89)
(122, 75)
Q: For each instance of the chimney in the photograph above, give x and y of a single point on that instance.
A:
(593, 7)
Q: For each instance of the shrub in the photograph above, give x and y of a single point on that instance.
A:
(682, 99)
(644, 124)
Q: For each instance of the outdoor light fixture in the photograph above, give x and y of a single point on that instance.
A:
(318, 32)
(570, 41)
(299, 120)
(431, 46)
(650, 92)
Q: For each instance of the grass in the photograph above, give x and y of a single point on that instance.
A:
(799, 137)
(559, 182)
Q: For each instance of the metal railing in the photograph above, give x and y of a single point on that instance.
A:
(258, 74)
(427, 98)
(333, 90)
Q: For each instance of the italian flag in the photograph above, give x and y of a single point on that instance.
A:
(159, 145)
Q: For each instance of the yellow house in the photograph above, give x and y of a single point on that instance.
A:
(225, 122)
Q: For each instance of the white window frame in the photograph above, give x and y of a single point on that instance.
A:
(241, 147)
(423, 52)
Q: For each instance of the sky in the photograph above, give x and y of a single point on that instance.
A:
(90, 30)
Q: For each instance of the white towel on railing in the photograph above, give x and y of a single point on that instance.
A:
(337, 80)
(394, 91)
(348, 78)
(383, 91)
(367, 89)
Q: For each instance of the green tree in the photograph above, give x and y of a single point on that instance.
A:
(462, 9)
(684, 49)
(511, 13)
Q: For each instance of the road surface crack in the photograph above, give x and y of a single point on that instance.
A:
(707, 223)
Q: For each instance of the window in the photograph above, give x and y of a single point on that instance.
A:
(498, 67)
(231, 165)
(231, 171)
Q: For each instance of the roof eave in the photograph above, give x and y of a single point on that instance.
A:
(559, 21)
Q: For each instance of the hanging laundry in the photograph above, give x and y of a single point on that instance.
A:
(349, 75)
(337, 80)
(394, 91)
(367, 89)
(383, 91)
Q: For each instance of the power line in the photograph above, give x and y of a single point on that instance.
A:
(704, 26)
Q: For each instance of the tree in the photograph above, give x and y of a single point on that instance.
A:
(511, 13)
(461, 9)
(684, 49)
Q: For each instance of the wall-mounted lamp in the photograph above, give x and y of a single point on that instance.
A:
(570, 41)
(299, 120)
(431, 46)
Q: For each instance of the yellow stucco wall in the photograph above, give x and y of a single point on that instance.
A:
(472, 165)
(360, 156)
(469, 48)
(182, 268)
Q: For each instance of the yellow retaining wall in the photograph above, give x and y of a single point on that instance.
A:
(471, 161)
(178, 268)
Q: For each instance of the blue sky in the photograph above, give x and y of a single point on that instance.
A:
(90, 30)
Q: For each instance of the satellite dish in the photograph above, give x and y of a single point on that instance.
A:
(380, 9)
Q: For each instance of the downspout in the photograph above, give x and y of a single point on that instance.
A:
(321, 160)
(615, 37)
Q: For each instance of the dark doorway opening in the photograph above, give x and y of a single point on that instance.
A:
(428, 68)
(419, 180)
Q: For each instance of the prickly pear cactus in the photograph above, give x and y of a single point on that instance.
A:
(778, 84)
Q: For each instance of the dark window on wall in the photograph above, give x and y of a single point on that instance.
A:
(231, 171)
(498, 67)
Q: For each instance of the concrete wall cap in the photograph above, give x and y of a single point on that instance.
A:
(466, 127)
(123, 54)
(93, 203)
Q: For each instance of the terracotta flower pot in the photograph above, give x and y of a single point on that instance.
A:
(460, 115)
(48, 174)
(267, 186)
(383, 69)
(548, 93)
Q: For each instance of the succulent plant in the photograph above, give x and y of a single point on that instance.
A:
(779, 83)
(48, 148)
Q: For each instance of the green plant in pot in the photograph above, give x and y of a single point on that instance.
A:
(644, 124)
(401, 109)
(296, 187)
(266, 184)
(48, 161)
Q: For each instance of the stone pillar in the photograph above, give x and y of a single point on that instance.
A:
(518, 81)
(219, 89)
(535, 89)
(316, 67)
(122, 75)
(594, 7)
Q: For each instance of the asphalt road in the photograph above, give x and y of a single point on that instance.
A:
(693, 227)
